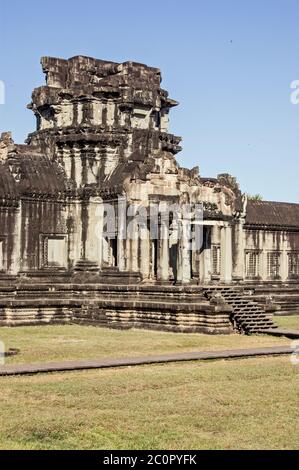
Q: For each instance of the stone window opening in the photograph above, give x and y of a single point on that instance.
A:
(54, 252)
(139, 115)
(293, 265)
(273, 265)
(252, 264)
(216, 260)
(156, 119)
(141, 118)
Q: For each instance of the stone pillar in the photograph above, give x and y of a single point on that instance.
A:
(284, 261)
(226, 253)
(122, 235)
(263, 267)
(74, 231)
(134, 243)
(196, 247)
(144, 252)
(238, 251)
(284, 268)
(77, 162)
(163, 251)
(16, 243)
(121, 254)
(92, 230)
(184, 259)
(25, 236)
(127, 245)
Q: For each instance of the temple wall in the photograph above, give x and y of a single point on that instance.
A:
(73, 231)
(271, 255)
(43, 231)
(9, 240)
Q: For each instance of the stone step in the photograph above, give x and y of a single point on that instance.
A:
(254, 320)
(248, 316)
(261, 312)
(86, 265)
(257, 324)
(259, 329)
(252, 306)
(254, 323)
(241, 310)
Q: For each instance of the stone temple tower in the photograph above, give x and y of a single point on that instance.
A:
(93, 114)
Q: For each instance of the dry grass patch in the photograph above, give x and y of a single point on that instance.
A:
(291, 322)
(237, 404)
(65, 342)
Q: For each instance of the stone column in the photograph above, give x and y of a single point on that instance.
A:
(134, 243)
(74, 231)
(205, 256)
(16, 243)
(91, 231)
(163, 251)
(238, 251)
(263, 268)
(25, 238)
(122, 235)
(144, 252)
(121, 254)
(184, 259)
(226, 253)
(284, 261)
(127, 245)
(284, 268)
(77, 162)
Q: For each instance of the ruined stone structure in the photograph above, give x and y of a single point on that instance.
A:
(102, 139)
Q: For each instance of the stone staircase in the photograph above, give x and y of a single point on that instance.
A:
(247, 316)
(285, 296)
(204, 309)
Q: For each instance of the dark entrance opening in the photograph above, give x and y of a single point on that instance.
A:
(155, 257)
(113, 247)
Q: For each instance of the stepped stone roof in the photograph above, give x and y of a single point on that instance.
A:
(85, 76)
(274, 214)
(25, 170)
(8, 187)
(41, 175)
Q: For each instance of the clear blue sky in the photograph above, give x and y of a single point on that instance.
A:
(228, 62)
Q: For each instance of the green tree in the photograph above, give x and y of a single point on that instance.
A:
(255, 197)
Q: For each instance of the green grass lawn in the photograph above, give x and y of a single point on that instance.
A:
(235, 404)
(55, 342)
(227, 404)
(291, 321)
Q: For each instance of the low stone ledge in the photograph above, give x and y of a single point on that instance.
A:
(166, 308)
